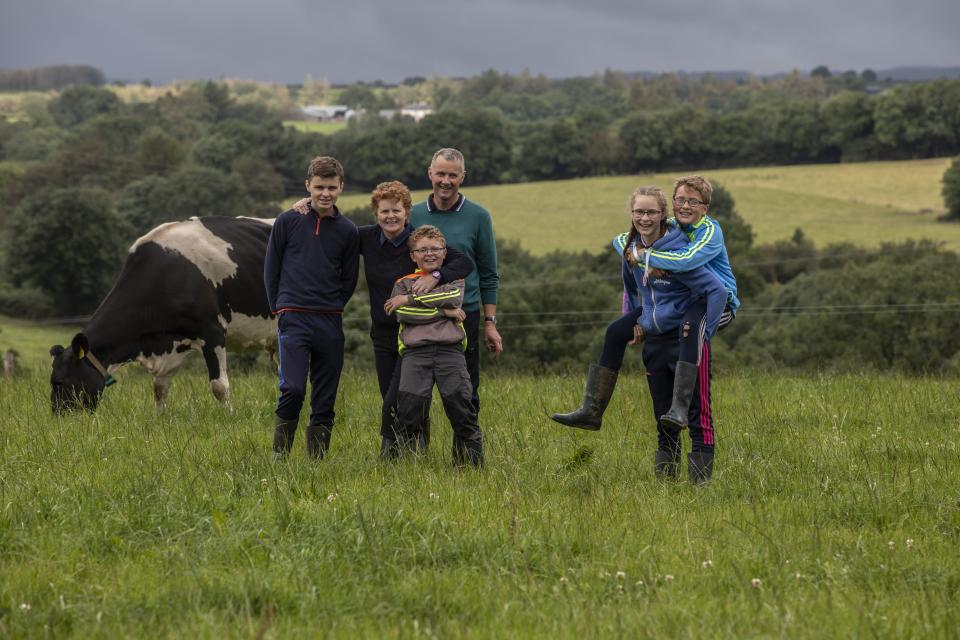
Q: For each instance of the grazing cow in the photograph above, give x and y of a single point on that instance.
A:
(195, 285)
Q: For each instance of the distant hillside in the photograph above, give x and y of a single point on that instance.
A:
(865, 204)
(895, 74)
(918, 74)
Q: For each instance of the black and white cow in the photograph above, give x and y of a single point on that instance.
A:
(195, 285)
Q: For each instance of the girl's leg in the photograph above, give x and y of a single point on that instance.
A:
(602, 378)
(619, 333)
(659, 358)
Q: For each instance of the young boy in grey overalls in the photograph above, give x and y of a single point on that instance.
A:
(432, 342)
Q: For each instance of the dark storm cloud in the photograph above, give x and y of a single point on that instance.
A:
(283, 40)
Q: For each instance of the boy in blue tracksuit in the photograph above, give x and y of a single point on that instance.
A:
(310, 271)
(688, 305)
(691, 201)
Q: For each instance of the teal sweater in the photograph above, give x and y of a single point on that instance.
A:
(467, 228)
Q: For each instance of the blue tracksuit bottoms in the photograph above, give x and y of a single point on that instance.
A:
(309, 343)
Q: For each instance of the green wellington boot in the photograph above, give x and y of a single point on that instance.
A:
(684, 382)
(601, 382)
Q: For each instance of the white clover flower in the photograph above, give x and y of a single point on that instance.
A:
(756, 583)
(333, 497)
(798, 575)
(563, 579)
(891, 544)
(668, 578)
(706, 564)
(433, 496)
(909, 543)
(263, 483)
(621, 575)
(25, 606)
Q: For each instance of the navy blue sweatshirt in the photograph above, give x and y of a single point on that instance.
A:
(385, 261)
(312, 263)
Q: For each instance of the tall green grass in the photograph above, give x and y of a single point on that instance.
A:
(834, 511)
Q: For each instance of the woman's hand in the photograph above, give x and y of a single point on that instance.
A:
(457, 314)
(637, 335)
(302, 206)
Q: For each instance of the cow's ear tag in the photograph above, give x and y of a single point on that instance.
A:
(80, 354)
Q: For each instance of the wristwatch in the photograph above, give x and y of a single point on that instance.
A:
(435, 273)
(492, 319)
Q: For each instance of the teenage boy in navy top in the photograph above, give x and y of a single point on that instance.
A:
(310, 272)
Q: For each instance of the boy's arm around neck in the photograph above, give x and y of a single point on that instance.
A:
(706, 245)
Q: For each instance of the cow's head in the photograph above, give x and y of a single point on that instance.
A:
(75, 382)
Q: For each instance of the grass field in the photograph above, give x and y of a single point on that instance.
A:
(864, 203)
(834, 512)
(313, 126)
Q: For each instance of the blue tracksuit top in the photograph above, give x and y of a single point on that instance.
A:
(312, 263)
(705, 249)
(665, 300)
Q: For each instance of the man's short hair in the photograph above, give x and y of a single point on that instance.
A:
(450, 155)
(426, 231)
(325, 167)
(393, 190)
(698, 183)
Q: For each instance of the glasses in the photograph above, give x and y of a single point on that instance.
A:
(425, 250)
(679, 202)
(645, 213)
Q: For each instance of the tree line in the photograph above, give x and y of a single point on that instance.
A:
(905, 121)
(50, 77)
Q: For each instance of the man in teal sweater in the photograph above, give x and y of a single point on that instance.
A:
(468, 228)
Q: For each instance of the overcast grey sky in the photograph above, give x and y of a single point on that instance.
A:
(283, 40)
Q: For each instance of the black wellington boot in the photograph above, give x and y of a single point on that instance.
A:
(283, 434)
(666, 464)
(601, 382)
(700, 466)
(684, 382)
(318, 440)
(389, 449)
(467, 452)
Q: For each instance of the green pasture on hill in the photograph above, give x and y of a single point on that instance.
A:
(32, 342)
(834, 512)
(313, 126)
(864, 203)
